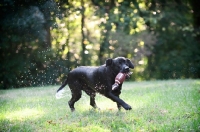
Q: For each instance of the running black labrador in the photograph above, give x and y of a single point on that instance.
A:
(97, 79)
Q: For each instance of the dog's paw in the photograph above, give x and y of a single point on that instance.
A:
(127, 107)
(72, 109)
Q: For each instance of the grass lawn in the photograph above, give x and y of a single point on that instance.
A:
(172, 105)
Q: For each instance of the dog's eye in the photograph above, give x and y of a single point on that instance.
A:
(122, 61)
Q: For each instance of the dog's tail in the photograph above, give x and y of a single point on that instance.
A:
(60, 91)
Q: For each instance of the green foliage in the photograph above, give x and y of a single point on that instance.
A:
(171, 105)
(41, 40)
(175, 53)
(26, 57)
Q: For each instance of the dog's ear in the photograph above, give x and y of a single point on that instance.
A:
(109, 62)
(130, 64)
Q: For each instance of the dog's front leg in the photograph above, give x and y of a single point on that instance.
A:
(118, 101)
(117, 92)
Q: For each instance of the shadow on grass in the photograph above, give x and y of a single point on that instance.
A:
(96, 120)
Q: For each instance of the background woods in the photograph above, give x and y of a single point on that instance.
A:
(41, 40)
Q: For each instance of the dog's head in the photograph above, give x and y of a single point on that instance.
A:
(120, 64)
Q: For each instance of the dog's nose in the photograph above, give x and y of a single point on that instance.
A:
(126, 68)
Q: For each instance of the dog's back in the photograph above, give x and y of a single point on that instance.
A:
(97, 79)
(89, 78)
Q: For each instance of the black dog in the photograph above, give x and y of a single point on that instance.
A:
(97, 79)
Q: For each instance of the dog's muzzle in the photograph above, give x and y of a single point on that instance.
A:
(126, 69)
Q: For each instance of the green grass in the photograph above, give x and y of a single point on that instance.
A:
(172, 105)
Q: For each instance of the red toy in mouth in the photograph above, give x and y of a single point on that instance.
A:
(120, 79)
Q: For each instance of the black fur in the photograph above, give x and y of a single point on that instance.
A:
(97, 79)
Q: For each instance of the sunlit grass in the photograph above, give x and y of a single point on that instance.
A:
(24, 114)
(172, 105)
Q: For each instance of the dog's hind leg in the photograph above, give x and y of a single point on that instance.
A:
(76, 95)
(75, 98)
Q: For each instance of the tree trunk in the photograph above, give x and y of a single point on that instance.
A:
(82, 33)
(48, 37)
(196, 23)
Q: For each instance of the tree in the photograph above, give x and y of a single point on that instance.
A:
(25, 42)
(42, 40)
(174, 54)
